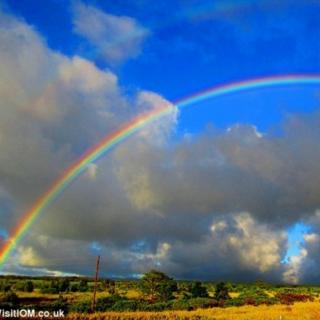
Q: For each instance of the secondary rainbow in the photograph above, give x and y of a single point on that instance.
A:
(127, 130)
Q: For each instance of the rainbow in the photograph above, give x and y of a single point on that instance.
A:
(127, 130)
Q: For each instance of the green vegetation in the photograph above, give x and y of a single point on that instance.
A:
(155, 291)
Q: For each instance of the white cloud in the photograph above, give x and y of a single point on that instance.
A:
(116, 38)
(28, 257)
(256, 245)
(293, 270)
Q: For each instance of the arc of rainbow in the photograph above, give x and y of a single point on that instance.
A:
(127, 130)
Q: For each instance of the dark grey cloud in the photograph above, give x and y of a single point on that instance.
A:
(274, 177)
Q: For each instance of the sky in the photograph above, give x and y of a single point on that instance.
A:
(227, 188)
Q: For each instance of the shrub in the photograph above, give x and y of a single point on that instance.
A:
(83, 286)
(289, 297)
(74, 287)
(81, 307)
(181, 304)
(50, 287)
(9, 300)
(60, 304)
(5, 286)
(126, 305)
(158, 306)
(104, 304)
(197, 303)
(194, 303)
(252, 297)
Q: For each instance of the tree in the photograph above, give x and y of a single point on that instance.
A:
(222, 292)
(74, 287)
(5, 286)
(28, 286)
(64, 285)
(83, 285)
(110, 286)
(157, 285)
(198, 290)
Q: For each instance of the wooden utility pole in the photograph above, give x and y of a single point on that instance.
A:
(93, 306)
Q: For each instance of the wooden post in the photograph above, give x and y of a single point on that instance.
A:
(93, 307)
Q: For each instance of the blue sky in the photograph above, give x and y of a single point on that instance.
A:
(193, 46)
(182, 47)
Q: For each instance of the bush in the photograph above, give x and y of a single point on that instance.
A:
(104, 304)
(60, 304)
(81, 307)
(5, 286)
(197, 303)
(74, 287)
(50, 287)
(252, 297)
(158, 306)
(9, 300)
(126, 305)
(289, 297)
(194, 303)
(83, 286)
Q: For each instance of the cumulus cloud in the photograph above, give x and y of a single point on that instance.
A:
(116, 38)
(212, 206)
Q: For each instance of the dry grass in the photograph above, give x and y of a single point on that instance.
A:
(72, 296)
(298, 311)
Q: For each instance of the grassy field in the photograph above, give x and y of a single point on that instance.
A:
(126, 299)
(298, 311)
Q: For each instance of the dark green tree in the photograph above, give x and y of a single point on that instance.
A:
(157, 285)
(28, 286)
(198, 290)
(5, 286)
(54, 286)
(64, 285)
(83, 285)
(74, 287)
(110, 286)
(222, 292)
